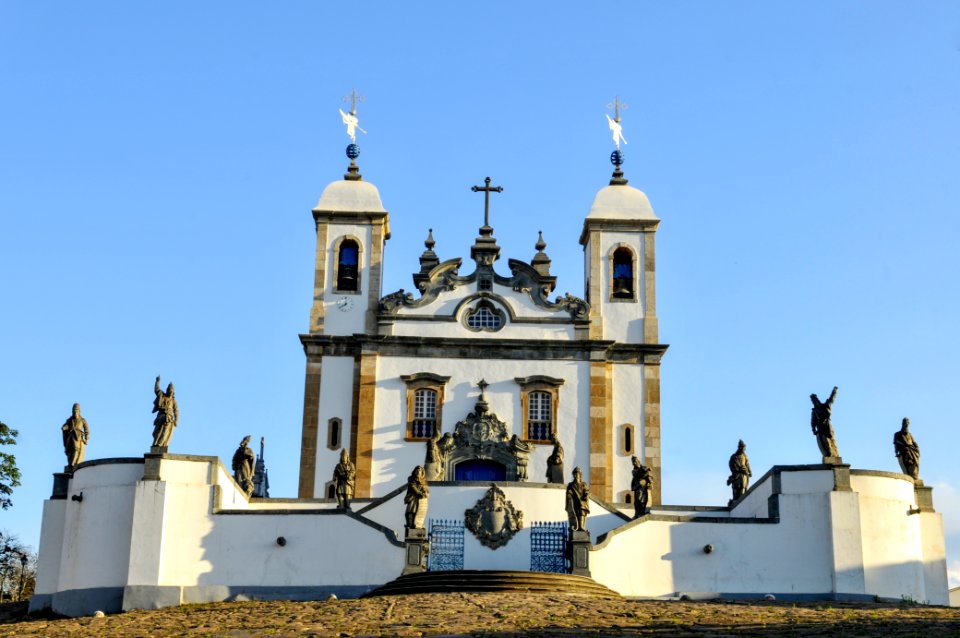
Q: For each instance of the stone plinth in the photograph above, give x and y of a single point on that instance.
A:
(417, 548)
(578, 550)
(61, 484)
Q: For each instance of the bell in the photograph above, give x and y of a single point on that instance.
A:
(347, 278)
(622, 287)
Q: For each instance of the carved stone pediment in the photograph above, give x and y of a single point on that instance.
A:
(445, 277)
(480, 428)
(483, 436)
(493, 520)
(442, 278)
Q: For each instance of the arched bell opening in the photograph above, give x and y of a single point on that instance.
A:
(623, 275)
(348, 260)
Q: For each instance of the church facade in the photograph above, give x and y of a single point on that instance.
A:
(386, 374)
(488, 388)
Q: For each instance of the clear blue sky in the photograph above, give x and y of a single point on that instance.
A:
(158, 164)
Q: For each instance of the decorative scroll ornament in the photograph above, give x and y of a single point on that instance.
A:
(577, 307)
(393, 301)
(442, 278)
(493, 520)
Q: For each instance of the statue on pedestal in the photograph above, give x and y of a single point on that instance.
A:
(740, 472)
(640, 483)
(75, 437)
(165, 405)
(344, 479)
(907, 450)
(822, 427)
(416, 499)
(243, 462)
(578, 501)
(555, 461)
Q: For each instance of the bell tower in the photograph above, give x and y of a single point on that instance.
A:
(352, 229)
(619, 282)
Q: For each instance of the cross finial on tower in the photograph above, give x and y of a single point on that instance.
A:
(483, 385)
(616, 105)
(354, 98)
(487, 189)
(616, 157)
(352, 123)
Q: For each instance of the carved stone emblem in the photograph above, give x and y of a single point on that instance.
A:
(493, 520)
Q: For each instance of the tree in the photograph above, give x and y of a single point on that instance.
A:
(9, 474)
(18, 568)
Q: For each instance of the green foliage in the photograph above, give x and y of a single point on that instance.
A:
(9, 474)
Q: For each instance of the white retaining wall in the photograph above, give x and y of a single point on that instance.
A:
(192, 536)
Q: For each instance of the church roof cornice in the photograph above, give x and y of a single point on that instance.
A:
(317, 345)
(617, 225)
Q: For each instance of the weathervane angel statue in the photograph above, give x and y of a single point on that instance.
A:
(351, 119)
(615, 127)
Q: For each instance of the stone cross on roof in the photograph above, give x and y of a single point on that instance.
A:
(487, 189)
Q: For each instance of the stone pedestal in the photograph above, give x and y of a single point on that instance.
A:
(841, 477)
(578, 551)
(417, 549)
(159, 449)
(832, 460)
(61, 484)
(924, 496)
(151, 465)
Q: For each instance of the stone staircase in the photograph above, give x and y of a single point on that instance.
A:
(493, 581)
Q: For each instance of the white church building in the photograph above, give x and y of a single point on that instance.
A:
(487, 366)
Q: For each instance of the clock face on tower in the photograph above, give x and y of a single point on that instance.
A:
(345, 304)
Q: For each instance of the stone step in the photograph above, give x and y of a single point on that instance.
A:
(493, 581)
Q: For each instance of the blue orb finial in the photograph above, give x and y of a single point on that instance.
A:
(353, 151)
(616, 157)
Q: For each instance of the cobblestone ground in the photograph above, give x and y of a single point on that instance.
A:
(500, 616)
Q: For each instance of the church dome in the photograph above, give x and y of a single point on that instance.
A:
(619, 201)
(350, 196)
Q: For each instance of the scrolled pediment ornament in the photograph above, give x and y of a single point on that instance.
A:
(493, 519)
(442, 278)
(393, 301)
(577, 307)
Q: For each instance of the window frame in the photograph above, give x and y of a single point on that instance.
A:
(331, 422)
(626, 450)
(545, 384)
(484, 304)
(423, 381)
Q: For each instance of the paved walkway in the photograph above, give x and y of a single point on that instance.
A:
(502, 616)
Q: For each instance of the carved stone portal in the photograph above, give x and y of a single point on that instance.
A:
(493, 520)
(483, 436)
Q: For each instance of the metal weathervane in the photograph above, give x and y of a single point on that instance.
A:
(350, 119)
(614, 122)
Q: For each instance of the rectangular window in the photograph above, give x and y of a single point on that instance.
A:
(539, 400)
(424, 414)
(539, 416)
(424, 404)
